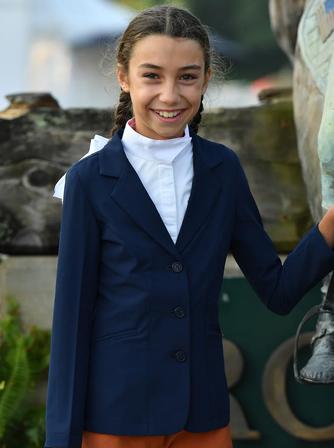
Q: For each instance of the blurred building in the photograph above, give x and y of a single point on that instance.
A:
(57, 46)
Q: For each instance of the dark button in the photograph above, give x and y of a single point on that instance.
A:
(179, 312)
(177, 266)
(180, 356)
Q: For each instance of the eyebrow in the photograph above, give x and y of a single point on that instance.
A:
(156, 67)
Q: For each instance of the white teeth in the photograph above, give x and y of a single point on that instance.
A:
(168, 114)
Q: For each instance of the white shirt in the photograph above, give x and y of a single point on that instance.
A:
(165, 168)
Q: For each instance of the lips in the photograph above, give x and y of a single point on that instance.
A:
(169, 116)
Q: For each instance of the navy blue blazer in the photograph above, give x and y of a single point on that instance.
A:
(136, 347)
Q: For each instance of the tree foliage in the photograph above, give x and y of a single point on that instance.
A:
(248, 23)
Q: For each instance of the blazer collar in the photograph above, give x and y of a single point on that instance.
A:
(112, 155)
(132, 197)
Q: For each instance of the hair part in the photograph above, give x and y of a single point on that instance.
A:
(166, 20)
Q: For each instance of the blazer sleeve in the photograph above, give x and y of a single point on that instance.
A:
(279, 286)
(75, 293)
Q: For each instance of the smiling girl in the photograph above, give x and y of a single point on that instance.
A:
(148, 219)
(163, 81)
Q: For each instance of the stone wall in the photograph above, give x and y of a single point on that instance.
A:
(39, 141)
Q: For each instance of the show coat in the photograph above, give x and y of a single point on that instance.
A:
(136, 345)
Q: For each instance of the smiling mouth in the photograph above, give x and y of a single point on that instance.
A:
(167, 114)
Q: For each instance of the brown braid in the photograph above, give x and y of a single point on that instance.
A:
(194, 124)
(123, 112)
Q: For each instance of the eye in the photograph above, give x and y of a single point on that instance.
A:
(150, 75)
(188, 77)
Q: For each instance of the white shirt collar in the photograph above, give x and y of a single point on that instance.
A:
(165, 151)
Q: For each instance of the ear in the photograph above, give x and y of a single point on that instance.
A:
(122, 78)
(207, 78)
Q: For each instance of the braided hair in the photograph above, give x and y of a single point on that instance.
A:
(195, 122)
(123, 112)
(162, 19)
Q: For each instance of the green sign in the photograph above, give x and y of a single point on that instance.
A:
(269, 408)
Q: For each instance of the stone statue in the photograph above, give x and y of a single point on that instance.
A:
(309, 44)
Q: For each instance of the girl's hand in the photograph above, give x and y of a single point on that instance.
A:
(326, 226)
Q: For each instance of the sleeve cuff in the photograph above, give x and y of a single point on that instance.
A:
(324, 246)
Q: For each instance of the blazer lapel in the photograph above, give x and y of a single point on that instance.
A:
(204, 192)
(131, 195)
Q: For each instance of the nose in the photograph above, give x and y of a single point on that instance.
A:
(169, 93)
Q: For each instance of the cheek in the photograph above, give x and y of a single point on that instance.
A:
(142, 96)
(193, 94)
(195, 101)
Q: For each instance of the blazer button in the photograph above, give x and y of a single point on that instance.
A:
(177, 266)
(180, 355)
(179, 312)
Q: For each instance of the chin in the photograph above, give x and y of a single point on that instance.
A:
(171, 131)
(164, 131)
(171, 134)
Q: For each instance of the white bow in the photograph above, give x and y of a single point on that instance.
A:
(97, 143)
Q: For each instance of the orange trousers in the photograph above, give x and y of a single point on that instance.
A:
(217, 438)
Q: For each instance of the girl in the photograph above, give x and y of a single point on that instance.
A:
(148, 219)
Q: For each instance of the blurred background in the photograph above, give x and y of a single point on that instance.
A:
(64, 47)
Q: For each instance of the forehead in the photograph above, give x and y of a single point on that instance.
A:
(166, 51)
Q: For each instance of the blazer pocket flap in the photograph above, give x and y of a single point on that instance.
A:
(117, 335)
